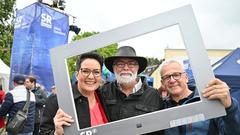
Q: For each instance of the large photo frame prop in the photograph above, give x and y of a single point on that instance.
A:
(158, 120)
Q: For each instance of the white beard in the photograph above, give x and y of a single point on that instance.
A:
(126, 79)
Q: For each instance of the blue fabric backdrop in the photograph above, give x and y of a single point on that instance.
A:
(38, 28)
(228, 69)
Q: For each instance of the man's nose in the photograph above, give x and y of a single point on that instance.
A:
(172, 79)
(125, 66)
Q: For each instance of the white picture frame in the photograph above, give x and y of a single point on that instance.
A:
(159, 120)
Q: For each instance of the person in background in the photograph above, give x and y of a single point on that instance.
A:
(90, 106)
(163, 92)
(15, 100)
(53, 90)
(174, 80)
(40, 96)
(41, 87)
(129, 95)
(2, 120)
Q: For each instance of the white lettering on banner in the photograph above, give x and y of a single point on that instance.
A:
(58, 31)
(18, 22)
(46, 20)
(238, 61)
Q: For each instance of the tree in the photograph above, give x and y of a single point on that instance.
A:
(6, 29)
(105, 52)
(154, 61)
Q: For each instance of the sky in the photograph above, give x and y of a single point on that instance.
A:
(218, 21)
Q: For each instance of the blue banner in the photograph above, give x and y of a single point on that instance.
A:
(188, 70)
(38, 28)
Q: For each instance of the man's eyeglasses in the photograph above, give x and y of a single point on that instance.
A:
(86, 72)
(129, 64)
(175, 76)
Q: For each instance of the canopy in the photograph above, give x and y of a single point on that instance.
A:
(228, 69)
(4, 75)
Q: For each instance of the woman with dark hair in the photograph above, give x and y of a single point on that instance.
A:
(88, 101)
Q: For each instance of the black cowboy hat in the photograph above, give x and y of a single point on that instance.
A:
(126, 52)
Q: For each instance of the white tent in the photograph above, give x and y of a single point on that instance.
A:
(4, 75)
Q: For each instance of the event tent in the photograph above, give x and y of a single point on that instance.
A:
(228, 69)
(4, 75)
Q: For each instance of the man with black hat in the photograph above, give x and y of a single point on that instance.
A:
(129, 95)
(15, 100)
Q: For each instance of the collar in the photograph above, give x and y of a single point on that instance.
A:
(76, 92)
(182, 101)
(33, 90)
(137, 86)
(20, 87)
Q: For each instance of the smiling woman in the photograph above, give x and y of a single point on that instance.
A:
(88, 100)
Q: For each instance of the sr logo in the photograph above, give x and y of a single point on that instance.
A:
(88, 132)
(46, 20)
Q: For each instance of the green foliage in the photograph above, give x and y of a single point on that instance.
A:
(84, 35)
(105, 52)
(153, 61)
(71, 62)
(6, 29)
(110, 50)
(6, 10)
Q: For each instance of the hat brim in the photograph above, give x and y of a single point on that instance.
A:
(142, 62)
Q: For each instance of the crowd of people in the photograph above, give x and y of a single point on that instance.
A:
(15, 100)
(127, 96)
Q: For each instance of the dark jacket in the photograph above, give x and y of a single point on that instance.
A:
(120, 106)
(14, 101)
(226, 125)
(82, 107)
(40, 96)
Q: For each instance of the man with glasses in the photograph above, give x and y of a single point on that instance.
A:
(174, 80)
(129, 95)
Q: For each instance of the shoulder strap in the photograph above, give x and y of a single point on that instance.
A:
(26, 106)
